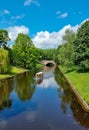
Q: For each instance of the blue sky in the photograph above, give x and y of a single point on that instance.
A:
(43, 20)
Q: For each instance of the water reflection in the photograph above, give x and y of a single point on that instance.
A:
(48, 104)
(48, 78)
(80, 116)
(64, 91)
(69, 99)
(24, 86)
(6, 88)
(46, 83)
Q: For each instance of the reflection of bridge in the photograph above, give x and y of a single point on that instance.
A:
(48, 63)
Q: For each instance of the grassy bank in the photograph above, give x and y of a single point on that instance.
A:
(80, 81)
(13, 71)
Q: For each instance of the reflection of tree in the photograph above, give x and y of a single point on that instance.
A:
(63, 91)
(6, 87)
(79, 114)
(68, 98)
(25, 86)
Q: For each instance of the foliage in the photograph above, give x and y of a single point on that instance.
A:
(4, 61)
(10, 53)
(69, 36)
(25, 54)
(81, 47)
(50, 54)
(66, 51)
(3, 37)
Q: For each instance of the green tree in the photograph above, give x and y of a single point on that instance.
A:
(4, 37)
(66, 51)
(4, 61)
(10, 53)
(81, 47)
(50, 54)
(24, 52)
(20, 49)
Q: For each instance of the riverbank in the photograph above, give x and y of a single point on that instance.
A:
(79, 83)
(12, 72)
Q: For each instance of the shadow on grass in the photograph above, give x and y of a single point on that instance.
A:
(11, 73)
(68, 71)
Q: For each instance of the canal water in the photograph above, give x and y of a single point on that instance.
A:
(48, 104)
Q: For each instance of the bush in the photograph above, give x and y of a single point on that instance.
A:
(84, 66)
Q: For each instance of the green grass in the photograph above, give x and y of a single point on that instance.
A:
(81, 83)
(12, 71)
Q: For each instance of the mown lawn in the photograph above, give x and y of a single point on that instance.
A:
(13, 71)
(81, 83)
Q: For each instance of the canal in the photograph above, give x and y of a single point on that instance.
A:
(48, 104)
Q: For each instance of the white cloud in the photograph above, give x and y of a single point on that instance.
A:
(64, 15)
(6, 11)
(45, 40)
(61, 15)
(3, 12)
(18, 17)
(85, 21)
(29, 2)
(15, 30)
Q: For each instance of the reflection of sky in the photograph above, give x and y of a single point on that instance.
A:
(30, 116)
(48, 82)
(17, 107)
(3, 124)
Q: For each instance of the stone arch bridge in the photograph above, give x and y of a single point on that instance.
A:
(49, 63)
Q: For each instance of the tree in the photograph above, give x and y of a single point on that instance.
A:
(50, 54)
(10, 54)
(4, 61)
(4, 38)
(24, 52)
(81, 47)
(20, 49)
(66, 51)
(69, 36)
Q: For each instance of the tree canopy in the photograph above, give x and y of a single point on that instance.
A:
(66, 50)
(4, 38)
(49, 54)
(81, 47)
(24, 52)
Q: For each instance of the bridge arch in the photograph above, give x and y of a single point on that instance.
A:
(49, 63)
